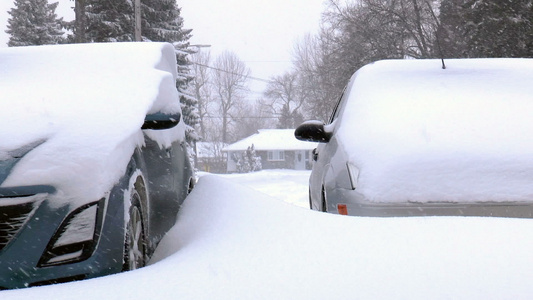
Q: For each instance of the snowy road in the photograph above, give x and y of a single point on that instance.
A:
(287, 185)
(232, 242)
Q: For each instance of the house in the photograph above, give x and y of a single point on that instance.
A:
(278, 149)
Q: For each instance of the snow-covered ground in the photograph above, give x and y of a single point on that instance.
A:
(287, 185)
(234, 242)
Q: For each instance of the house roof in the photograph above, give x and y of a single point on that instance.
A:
(271, 139)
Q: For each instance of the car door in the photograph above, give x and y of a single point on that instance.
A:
(323, 170)
(329, 168)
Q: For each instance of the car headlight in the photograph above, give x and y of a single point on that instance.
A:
(76, 238)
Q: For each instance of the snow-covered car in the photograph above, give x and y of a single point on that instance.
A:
(93, 159)
(409, 138)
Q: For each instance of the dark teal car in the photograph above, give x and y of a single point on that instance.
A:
(93, 162)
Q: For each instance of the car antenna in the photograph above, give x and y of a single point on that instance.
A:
(437, 35)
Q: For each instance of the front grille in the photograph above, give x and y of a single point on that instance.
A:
(12, 218)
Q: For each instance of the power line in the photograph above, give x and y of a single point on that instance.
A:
(239, 118)
(268, 61)
(233, 73)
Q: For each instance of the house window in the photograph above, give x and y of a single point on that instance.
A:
(277, 155)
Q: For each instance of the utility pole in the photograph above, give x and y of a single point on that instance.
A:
(79, 27)
(138, 36)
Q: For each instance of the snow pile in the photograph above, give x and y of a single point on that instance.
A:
(420, 133)
(290, 186)
(88, 102)
(231, 242)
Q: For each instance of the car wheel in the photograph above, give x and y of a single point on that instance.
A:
(191, 186)
(310, 200)
(135, 245)
(324, 206)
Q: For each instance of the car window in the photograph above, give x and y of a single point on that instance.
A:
(342, 101)
(336, 110)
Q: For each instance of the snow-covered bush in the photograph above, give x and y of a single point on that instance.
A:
(249, 161)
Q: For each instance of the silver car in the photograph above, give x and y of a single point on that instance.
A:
(409, 138)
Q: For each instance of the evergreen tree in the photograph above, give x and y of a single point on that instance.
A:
(255, 159)
(487, 28)
(246, 167)
(162, 22)
(451, 33)
(109, 21)
(249, 161)
(500, 28)
(189, 103)
(34, 22)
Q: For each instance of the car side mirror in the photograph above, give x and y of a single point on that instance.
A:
(312, 131)
(159, 121)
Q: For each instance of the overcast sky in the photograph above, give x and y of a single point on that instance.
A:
(261, 32)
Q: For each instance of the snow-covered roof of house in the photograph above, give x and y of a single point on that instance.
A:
(271, 139)
(81, 107)
(420, 133)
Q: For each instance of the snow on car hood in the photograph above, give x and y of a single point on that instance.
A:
(423, 134)
(87, 102)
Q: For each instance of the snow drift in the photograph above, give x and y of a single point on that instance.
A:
(231, 242)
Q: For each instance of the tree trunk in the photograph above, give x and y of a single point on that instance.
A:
(79, 9)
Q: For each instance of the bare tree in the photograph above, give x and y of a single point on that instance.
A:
(251, 117)
(320, 77)
(413, 20)
(355, 33)
(285, 100)
(202, 88)
(486, 28)
(230, 77)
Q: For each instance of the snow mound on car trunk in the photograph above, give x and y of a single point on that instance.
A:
(423, 134)
(87, 102)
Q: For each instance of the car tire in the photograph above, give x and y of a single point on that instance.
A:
(191, 186)
(310, 200)
(135, 241)
(324, 207)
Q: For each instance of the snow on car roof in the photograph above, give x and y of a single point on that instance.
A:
(421, 133)
(88, 102)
